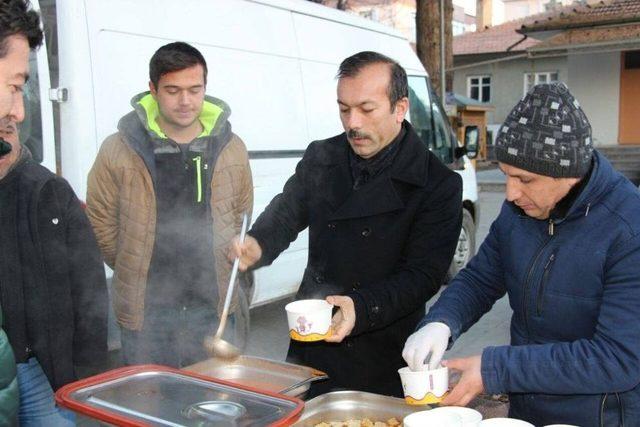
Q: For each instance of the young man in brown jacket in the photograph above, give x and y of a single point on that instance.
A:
(165, 196)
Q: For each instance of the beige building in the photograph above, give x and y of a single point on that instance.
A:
(401, 14)
(497, 12)
(594, 49)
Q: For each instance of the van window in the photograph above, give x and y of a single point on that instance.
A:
(420, 109)
(442, 133)
(31, 127)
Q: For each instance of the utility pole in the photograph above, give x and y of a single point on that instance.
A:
(434, 41)
(443, 61)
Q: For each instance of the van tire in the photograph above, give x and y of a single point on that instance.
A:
(466, 247)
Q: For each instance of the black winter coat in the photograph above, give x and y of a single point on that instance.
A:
(386, 245)
(65, 293)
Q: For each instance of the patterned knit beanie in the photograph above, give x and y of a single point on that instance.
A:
(547, 133)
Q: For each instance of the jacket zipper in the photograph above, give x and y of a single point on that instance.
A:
(545, 276)
(198, 162)
(529, 274)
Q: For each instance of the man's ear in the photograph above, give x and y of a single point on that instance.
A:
(152, 89)
(402, 106)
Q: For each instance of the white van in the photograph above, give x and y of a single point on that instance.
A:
(273, 61)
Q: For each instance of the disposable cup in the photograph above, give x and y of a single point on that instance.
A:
(424, 387)
(309, 319)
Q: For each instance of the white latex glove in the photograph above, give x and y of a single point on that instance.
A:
(431, 338)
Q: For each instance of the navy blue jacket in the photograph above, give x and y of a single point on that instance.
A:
(575, 293)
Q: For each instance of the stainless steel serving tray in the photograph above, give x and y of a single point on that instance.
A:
(264, 374)
(151, 395)
(348, 405)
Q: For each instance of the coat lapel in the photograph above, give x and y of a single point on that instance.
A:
(339, 184)
(379, 195)
(374, 198)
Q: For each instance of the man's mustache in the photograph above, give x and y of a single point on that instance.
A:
(352, 133)
(5, 147)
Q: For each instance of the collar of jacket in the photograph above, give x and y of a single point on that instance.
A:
(134, 126)
(409, 165)
(379, 195)
(603, 178)
(214, 114)
(25, 154)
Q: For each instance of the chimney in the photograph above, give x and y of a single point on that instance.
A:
(484, 12)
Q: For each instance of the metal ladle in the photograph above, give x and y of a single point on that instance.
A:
(215, 345)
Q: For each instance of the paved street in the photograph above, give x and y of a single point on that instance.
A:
(269, 336)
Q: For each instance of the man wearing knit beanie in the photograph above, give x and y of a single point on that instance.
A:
(565, 248)
(547, 133)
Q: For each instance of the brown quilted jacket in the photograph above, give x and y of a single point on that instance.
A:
(121, 206)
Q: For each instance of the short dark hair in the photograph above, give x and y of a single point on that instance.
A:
(174, 57)
(398, 85)
(17, 18)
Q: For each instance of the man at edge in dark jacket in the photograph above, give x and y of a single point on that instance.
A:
(566, 249)
(53, 288)
(52, 285)
(384, 215)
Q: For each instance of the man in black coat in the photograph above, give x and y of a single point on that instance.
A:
(384, 216)
(52, 285)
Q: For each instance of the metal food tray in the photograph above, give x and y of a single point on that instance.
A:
(264, 374)
(152, 395)
(348, 405)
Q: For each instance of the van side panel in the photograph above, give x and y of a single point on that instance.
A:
(273, 61)
(321, 40)
(78, 144)
(252, 60)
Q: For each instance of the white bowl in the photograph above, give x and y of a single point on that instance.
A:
(504, 422)
(470, 417)
(431, 419)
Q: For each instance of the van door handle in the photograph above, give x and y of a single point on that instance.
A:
(58, 94)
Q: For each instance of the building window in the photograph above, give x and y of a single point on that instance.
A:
(632, 60)
(532, 79)
(457, 28)
(479, 88)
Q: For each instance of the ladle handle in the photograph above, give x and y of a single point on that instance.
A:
(232, 281)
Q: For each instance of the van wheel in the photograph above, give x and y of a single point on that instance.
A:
(466, 247)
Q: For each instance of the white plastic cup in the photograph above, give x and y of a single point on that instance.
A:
(431, 418)
(469, 417)
(504, 422)
(309, 319)
(424, 387)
